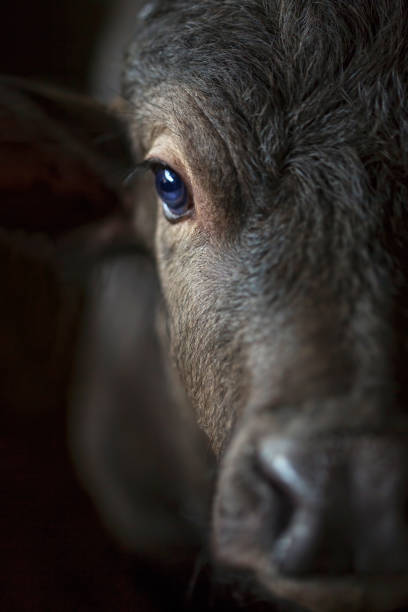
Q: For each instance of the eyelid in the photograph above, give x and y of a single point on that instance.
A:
(154, 163)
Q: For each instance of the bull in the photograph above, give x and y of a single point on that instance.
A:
(277, 136)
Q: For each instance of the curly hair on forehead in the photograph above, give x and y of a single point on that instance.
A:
(288, 43)
(251, 52)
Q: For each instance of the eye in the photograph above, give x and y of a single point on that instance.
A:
(173, 193)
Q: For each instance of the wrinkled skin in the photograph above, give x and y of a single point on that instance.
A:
(285, 288)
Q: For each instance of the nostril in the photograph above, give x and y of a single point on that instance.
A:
(281, 502)
(276, 459)
(295, 499)
(331, 506)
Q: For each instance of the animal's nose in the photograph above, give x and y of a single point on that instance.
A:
(335, 507)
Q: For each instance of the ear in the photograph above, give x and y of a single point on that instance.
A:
(63, 161)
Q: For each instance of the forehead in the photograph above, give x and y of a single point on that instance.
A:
(238, 55)
(268, 88)
(191, 69)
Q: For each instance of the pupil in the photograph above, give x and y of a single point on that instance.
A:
(171, 188)
(170, 181)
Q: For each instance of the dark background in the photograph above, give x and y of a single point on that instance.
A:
(77, 44)
(55, 554)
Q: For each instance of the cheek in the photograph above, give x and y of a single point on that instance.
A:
(205, 334)
(182, 258)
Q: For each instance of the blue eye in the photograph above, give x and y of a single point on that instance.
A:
(172, 192)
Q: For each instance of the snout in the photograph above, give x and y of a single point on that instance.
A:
(312, 513)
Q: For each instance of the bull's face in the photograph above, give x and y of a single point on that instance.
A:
(278, 135)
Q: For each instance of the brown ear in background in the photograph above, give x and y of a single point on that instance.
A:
(62, 163)
(63, 159)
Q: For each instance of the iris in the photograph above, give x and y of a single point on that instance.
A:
(173, 193)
